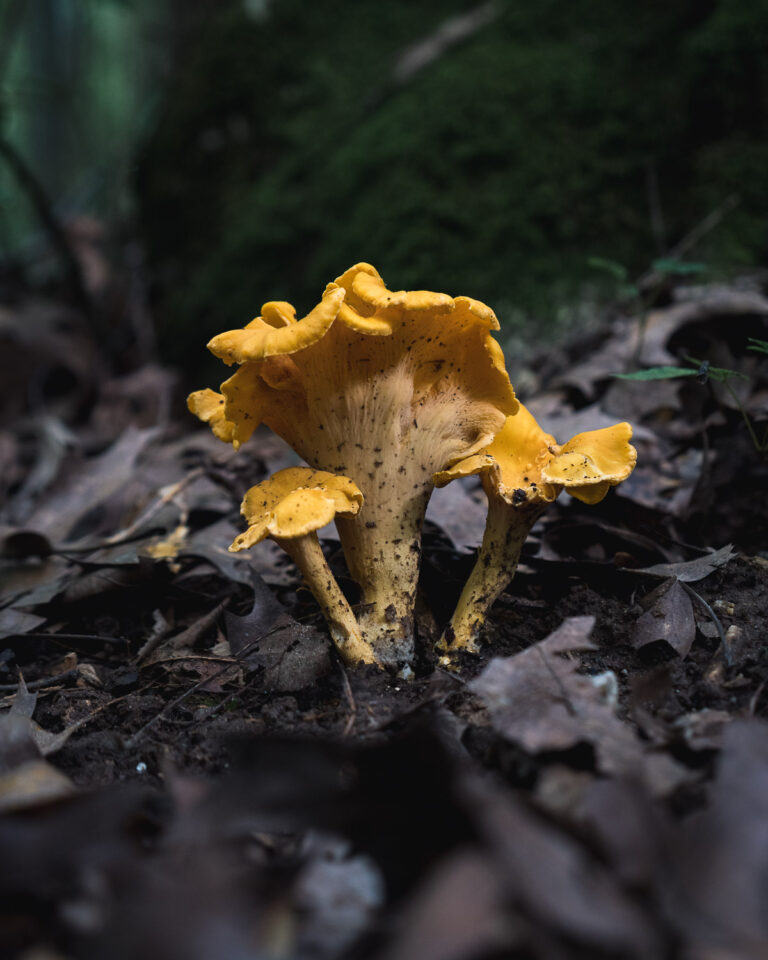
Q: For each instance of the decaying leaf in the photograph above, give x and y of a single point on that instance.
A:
(715, 892)
(669, 617)
(26, 779)
(59, 517)
(561, 885)
(459, 515)
(293, 655)
(14, 622)
(690, 571)
(538, 699)
(457, 913)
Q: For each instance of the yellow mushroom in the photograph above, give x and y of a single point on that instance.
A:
(290, 507)
(522, 471)
(387, 388)
(208, 406)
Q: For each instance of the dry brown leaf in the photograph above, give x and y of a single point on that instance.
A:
(690, 571)
(669, 617)
(539, 700)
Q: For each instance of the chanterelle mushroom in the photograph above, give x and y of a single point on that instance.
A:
(522, 471)
(385, 387)
(290, 507)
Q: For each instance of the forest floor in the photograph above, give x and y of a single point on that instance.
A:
(187, 770)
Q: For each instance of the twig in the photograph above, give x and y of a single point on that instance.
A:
(37, 635)
(449, 33)
(755, 697)
(658, 227)
(165, 496)
(182, 657)
(39, 684)
(132, 741)
(191, 633)
(236, 662)
(697, 233)
(349, 726)
(715, 620)
(745, 416)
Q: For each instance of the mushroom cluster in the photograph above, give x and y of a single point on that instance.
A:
(384, 394)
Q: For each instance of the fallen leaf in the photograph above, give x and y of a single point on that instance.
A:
(292, 654)
(560, 885)
(715, 881)
(212, 542)
(703, 729)
(458, 913)
(537, 699)
(159, 646)
(32, 784)
(14, 622)
(459, 515)
(26, 779)
(63, 513)
(669, 618)
(690, 571)
(707, 302)
(630, 830)
(527, 694)
(564, 423)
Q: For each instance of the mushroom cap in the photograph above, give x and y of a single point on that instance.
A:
(277, 332)
(209, 407)
(372, 291)
(511, 465)
(355, 312)
(593, 462)
(254, 390)
(370, 370)
(294, 502)
(524, 464)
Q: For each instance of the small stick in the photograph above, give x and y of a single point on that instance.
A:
(349, 726)
(40, 684)
(715, 620)
(700, 230)
(755, 697)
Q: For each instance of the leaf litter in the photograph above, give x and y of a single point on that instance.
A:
(186, 770)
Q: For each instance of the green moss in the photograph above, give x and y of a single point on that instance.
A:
(287, 152)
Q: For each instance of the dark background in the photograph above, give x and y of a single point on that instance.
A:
(247, 150)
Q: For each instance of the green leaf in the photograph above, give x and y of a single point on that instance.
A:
(658, 373)
(677, 267)
(720, 374)
(760, 346)
(617, 270)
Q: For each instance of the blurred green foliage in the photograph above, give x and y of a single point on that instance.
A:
(290, 140)
(288, 150)
(77, 91)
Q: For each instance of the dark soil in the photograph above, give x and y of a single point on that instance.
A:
(187, 769)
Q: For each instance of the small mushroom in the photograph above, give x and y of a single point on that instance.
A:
(384, 387)
(523, 470)
(290, 507)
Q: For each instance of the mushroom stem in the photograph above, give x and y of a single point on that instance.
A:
(506, 529)
(308, 556)
(382, 547)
